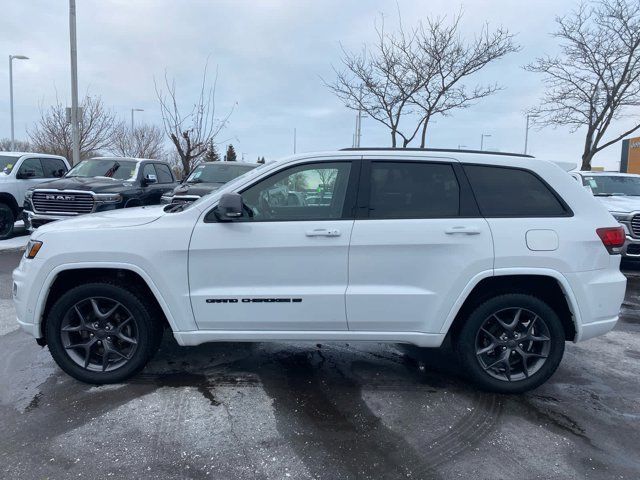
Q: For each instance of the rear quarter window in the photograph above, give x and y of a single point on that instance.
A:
(513, 192)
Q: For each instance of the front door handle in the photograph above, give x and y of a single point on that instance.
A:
(323, 232)
(462, 230)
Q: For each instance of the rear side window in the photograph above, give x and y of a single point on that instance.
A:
(164, 174)
(413, 190)
(53, 167)
(512, 192)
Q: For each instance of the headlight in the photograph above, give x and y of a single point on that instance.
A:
(108, 198)
(28, 194)
(620, 216)
(33, 247)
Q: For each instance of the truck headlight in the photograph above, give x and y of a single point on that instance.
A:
(621, 216)
(28, 194)
(108, 198)
(33, 247)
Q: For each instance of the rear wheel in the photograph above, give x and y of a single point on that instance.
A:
(7, 219)
(511, 343)
(102, 333)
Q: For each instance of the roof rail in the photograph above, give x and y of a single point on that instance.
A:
(446, 150)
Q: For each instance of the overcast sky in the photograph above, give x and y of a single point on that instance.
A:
(271, 57)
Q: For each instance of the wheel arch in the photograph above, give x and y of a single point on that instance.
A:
(10, 200)
(548, 285)
(68, 276)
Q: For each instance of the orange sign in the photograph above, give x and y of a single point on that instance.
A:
(630, 161)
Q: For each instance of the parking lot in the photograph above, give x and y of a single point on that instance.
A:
(336, 410)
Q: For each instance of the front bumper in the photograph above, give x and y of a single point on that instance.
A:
(631, 248)
(34, 220)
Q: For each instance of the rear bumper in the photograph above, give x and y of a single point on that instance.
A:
(598, 296)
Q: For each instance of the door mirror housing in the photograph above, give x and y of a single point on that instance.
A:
(150, 178)
(229, 207)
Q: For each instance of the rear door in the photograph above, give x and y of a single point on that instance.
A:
(416, 243)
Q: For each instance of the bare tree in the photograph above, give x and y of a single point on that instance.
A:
(191, 133)
(19, 145)
(52, 133)
(144, 141)
(418, 74)
(596, 77)
(444, 60)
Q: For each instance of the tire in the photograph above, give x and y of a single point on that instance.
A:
(7, 220)
(127, 344)
(511, 361)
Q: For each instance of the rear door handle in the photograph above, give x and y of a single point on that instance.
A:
(323, 232)
(462, 230)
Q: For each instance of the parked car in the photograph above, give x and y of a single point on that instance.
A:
(20, 171)
(97, 185)
(206, 178)
(506, 256)
(620, 194)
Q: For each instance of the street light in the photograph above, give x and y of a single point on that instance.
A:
(482, 137)
(134, 110)
(11, 58)
(526, 133)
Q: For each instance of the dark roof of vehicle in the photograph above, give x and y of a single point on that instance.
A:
(445, 150)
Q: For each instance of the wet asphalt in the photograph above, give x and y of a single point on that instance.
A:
(319, 411)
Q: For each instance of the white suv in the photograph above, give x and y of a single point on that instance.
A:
(507, 256)
(18, 173)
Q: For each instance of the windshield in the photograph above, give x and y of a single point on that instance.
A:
(613, 185)
(116, 169)
(217, 172)
(7, 163)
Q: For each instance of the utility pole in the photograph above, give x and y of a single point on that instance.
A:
(482, 137)
(359, 116)
(75, 134)
(134, 110)
(526, 133)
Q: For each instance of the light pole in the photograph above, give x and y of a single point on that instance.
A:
(75, 129)
(526, 132)
(482, 137)
(134, 110)
(11, 57)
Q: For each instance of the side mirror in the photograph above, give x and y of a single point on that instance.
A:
(150, 178)
(229, 207)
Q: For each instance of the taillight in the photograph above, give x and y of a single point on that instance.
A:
(612, 238)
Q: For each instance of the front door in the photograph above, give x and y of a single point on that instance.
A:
(416, 244)
(283, 264)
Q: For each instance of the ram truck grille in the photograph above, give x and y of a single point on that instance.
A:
(635, 225)
(62, 202)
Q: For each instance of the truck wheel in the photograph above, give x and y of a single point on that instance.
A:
(102, 333)
(7, 219)
(511, 343)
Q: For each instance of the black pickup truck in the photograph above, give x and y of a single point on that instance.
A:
(96, 185)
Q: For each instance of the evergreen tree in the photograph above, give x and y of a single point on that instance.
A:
(231, 154)
(212, 154)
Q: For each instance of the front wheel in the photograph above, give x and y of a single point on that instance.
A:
(7, 219)
(102, 333)
(511, 343)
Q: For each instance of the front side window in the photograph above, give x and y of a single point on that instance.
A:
(107, 168)
(512, 192)
(53, 167)
(613, 185)
(284, 196)
(149, 170)
(413, 190)
(31, 168)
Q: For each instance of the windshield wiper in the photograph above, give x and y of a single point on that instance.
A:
(603, 194)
